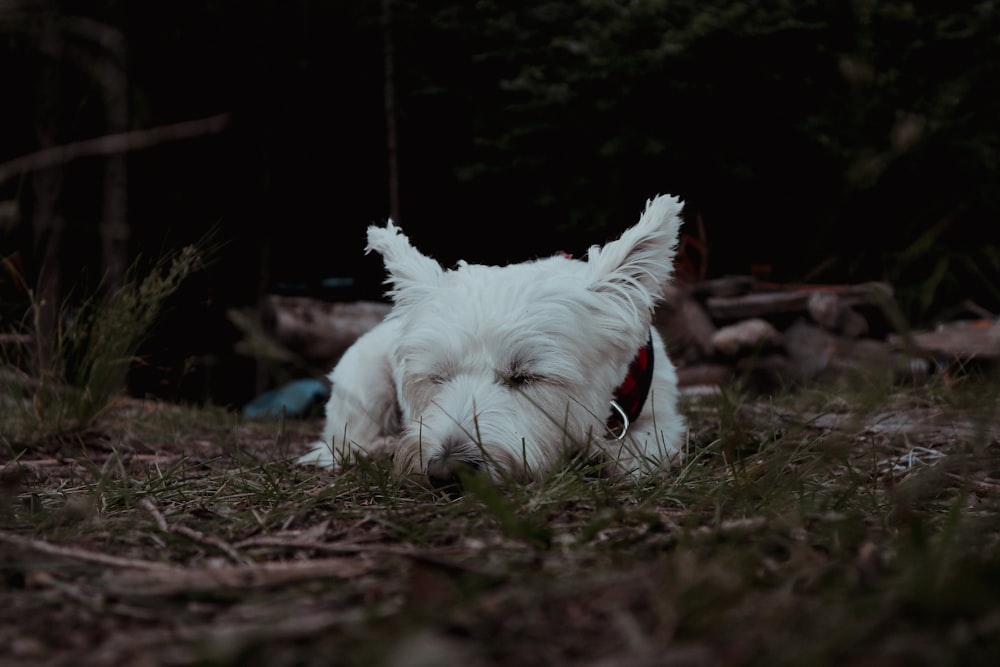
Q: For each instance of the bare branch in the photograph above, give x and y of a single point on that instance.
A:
(113, 143)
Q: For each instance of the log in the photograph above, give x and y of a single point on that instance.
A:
(686, 327)
(817, 353)
(965, 339)
(746, 335)
(726, 286)
(830, 312)
(705, 373)
(320, 331)
(794, 299)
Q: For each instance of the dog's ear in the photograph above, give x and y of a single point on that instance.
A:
(634, 269)
(411, 273)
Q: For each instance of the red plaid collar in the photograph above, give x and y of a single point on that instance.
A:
(630, 397)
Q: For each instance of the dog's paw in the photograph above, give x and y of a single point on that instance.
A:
(320, 454)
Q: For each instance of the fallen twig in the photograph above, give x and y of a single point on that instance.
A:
(981, 487)
(331, 547)
(81, 554)
(183, 641)
(181, 581)
(191, 533)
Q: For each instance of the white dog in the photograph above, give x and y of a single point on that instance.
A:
(509, 369)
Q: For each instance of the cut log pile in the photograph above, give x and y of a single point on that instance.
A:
(768, 335)
(319, 331)
(736, 328)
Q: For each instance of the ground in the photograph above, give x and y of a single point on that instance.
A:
(825, 527)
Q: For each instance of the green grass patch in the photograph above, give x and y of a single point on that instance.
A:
(855, 524)
(802, 529)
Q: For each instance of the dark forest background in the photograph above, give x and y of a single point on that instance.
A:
(812, 141)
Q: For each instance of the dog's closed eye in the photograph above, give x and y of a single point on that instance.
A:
(518, 375)
(521, 380)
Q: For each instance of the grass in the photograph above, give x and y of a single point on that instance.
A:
(839, 525)
(59, 382)
(177, 536)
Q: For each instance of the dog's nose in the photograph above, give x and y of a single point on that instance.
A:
(444, 473)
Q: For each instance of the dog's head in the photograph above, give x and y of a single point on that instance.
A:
(505, 368)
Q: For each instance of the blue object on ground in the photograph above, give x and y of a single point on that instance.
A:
(295, 399)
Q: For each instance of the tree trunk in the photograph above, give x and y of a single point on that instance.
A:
(114, 228)
(106, 67)
(389, 92)
(47, 222)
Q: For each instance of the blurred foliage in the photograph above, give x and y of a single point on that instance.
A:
(833, 141)
(56, 386)
(830, 141)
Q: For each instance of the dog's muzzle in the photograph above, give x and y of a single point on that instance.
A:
(444, 472)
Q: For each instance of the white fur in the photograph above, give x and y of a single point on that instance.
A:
(509, 368)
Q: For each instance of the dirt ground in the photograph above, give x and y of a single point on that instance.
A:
(809, 531)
